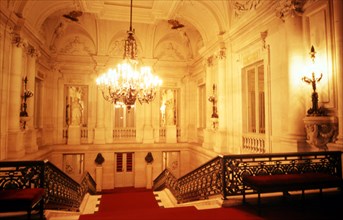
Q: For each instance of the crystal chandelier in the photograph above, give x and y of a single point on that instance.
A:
(129, 81)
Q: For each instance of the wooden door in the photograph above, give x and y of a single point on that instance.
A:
(124, 172)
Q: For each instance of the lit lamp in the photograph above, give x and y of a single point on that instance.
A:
(314, 111)
(320, 128)
(24, 116)
(214, 116)
(129, 81)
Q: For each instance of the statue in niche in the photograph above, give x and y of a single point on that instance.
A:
(167, 108)
(75, 94)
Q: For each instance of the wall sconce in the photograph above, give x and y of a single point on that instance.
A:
(314, 111)
(24, 117)
(214, 116)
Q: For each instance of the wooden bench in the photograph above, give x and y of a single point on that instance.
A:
(289, 182)
(14, 200)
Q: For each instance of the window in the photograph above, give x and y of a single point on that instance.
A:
(202, 106)
(124, 118)
(254, 103)
(124, 162)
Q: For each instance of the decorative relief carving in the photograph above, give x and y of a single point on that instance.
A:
(75, 46)
(32, 51)
(288, 8)
(242, 6)
(210, 61)
(60, 30)
(320, 131)
(171, 51)
(222, 53)
(17, 40)
(117, 48)
(264, 35)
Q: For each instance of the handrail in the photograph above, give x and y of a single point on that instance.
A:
(223, 174)
(62, 192)
(201, 183)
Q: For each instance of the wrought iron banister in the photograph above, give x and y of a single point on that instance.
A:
(200, 183)
(223, 174)
(62, 192)
(236, 166)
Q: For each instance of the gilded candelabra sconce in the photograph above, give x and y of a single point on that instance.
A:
(24, 117)
(214, 116)
(315, 111)
(320, 128)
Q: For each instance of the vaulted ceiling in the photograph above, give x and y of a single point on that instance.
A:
(96, 27)
(208, 17)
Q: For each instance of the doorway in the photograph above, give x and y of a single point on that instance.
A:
(124, 174)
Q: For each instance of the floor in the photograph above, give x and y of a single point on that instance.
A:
(313, 207)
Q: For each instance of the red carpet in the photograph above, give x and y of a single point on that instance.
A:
(136, 204)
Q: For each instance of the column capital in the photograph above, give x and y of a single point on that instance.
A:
(17, 40)
(32, 51)
(210, 61)
(221, 53)
(264, 35)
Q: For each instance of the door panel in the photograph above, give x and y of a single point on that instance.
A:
(124, 175)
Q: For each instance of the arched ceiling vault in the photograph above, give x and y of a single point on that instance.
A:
(208, 17)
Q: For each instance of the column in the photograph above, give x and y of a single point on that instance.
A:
(61, 107)
(30, 139)
(98, 178)
(149, 179)
(221, 139)
(295, 138)
(208, 132)
(338, 36)
(99, 131)
(15, 136)
(148, 131)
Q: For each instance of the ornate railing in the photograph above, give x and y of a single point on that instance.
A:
(223, 174)
(282, 163)
(201, 183)
(62, 192)
(124, 133)
(84, 135)
(254, 143)
(167, 180)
